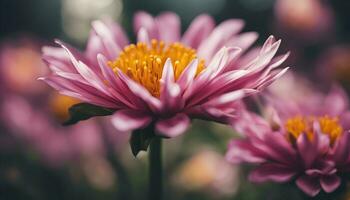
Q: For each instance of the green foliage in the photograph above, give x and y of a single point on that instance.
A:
(141, 139)
(84, 111)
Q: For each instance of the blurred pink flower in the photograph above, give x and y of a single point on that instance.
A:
(20, 65)
(308, 145)
(165, 79)
(311, 19)
(334, 65)
(39, 130)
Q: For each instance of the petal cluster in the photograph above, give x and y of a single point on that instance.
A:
(231, 72)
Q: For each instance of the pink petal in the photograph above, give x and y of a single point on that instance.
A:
(58, 57)
(307, 150)
(219, 84)
(94, 47)
(170, 91)
(145, 20)
(169, 27)
(85, 93)
(309, 185)
(229, 97)
(219, 36)
(264, 58)
(216, 65)
(91, 77)
(71, 50)
(141, 92)
(271, 172)
(121, 92)
(240, 151)
(168, 72)
(271, 78)
(174, 126)
(268, 43)
(278, 148)
(330, 183)
(336, 102)
(188, 74)
(199, 30)
(118, 33)
(128, 120)
(107, 38)
(244, 40)
(70, 76)
(142, 36)
(221, 60)
(341, 148)
(345, 119)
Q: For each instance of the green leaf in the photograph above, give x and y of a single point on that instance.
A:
(84, 111)
(141, 139)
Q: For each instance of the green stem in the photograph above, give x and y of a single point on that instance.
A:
(155, 170)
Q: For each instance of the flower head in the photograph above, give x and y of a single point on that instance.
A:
(292, 143)
(164, 79)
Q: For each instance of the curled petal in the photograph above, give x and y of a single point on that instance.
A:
(128, 120)
(309, 185)
(330, 183)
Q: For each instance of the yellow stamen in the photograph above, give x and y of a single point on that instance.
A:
(299, 125)
(145, 64)
(331, 127)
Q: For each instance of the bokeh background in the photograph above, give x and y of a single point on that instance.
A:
(40, 159)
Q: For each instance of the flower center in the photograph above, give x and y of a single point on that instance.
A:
(144, 64)
(298, 125)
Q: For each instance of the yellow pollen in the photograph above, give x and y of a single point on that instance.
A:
(144, 64)
(299, 125)
(331, 127)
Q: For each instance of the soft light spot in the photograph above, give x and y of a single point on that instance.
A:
(60, 105)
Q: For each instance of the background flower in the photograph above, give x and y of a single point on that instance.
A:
(298, 140)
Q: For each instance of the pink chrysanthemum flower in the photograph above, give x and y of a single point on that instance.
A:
(294, 142)
(164, 79)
